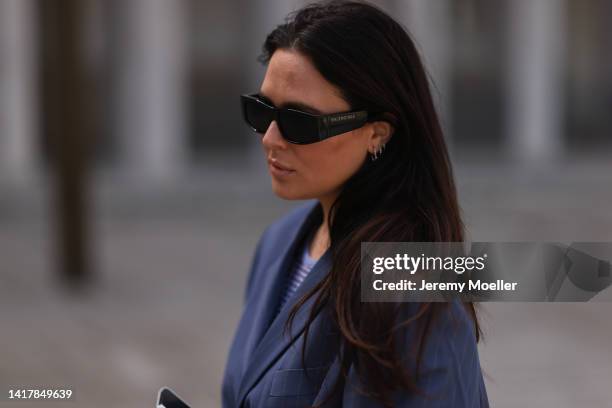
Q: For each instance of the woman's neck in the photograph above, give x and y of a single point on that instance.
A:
(320, 241)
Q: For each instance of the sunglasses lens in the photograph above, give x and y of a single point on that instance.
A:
(257, 115)
(299, 127)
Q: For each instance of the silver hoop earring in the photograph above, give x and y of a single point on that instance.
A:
(378, 152)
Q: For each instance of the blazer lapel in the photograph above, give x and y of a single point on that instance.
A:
(265, 309)
(274, 343)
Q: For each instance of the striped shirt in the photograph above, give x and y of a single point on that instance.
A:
(300, 268)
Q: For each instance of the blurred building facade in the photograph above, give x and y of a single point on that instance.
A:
(526, 79)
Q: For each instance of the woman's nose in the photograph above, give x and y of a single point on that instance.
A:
(273, 138)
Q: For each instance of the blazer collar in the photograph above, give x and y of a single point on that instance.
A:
(274, 343)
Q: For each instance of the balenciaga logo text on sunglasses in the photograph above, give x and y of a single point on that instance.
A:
(340, 118)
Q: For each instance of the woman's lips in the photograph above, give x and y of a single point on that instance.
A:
(279, 170)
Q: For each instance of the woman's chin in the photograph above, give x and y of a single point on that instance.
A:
(286, 193)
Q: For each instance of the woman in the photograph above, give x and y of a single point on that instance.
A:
(346, 119)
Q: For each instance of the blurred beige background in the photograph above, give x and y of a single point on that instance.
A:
(132, 195)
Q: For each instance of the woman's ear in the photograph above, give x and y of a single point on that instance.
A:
(380, 134)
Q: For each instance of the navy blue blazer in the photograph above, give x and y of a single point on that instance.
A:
(264, 367)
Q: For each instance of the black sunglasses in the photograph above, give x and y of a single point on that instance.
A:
(297, 126)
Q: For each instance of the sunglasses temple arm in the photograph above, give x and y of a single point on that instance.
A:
(328, 128)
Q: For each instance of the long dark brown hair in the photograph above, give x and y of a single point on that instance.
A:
(406, 195)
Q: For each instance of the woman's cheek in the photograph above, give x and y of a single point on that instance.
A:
(332, 175)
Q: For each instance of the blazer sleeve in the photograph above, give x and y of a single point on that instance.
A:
(450, 374)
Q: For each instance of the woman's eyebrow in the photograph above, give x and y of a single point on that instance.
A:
(294, 105)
